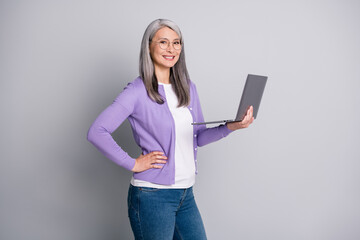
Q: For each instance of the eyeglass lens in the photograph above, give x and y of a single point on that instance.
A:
(164, 44)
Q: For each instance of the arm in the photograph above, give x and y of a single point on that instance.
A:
(100, 132)
(209, 135)
(108, 121)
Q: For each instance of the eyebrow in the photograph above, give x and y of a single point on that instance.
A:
(169, 40)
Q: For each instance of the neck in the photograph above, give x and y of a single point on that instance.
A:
(163, 75)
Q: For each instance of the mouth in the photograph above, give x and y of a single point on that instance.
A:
(168, 57)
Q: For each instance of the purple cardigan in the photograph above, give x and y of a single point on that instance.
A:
(153, 129)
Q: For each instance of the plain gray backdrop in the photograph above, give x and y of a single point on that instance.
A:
(294, 174)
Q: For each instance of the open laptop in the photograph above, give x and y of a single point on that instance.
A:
(251, 96)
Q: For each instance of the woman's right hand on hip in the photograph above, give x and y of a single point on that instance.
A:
(150, 160)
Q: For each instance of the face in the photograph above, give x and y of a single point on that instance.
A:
(164, 59)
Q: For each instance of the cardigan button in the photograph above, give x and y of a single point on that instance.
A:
(195, 135)
(191, 109)
(195, 149)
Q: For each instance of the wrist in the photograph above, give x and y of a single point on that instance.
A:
(229, 127)
(133, 169)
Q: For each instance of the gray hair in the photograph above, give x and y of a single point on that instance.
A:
(179, 76)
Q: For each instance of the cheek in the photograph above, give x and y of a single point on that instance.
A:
(152, 51)
(155, 54)
(178, 57)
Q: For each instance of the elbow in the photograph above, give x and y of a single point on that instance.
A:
(96, 133)
(200, 143)
(90, 135)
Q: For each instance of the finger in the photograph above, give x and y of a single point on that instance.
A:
(246, 120)
(152, 161)
(248, 111)
(160, 161)
(251, 111)
(156, 166)
(250, 117)
(155, 161)
(246, 123)
(251, 121)
(157, 153)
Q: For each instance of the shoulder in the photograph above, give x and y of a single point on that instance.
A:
(137, 85)
(134, 91)
(192, 87)
(138, 82)
(191, 83)
(194, 96)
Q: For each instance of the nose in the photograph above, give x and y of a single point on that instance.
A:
(170, 47)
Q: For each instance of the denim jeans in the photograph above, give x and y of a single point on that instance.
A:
(164, 214)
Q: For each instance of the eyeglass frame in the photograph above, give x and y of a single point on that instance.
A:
(168, 44)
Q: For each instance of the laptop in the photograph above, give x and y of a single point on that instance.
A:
(251, 96)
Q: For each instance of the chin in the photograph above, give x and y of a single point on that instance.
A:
(169, 65)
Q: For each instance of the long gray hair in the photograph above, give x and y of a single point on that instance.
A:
(179, 76)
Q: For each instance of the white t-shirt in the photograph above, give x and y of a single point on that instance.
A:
(184, 153)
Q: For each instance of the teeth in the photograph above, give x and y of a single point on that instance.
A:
(168, 57)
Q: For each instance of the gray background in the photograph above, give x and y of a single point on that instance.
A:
(294, 174)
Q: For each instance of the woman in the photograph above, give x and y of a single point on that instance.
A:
(160, 105)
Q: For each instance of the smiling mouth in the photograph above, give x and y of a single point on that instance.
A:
(169, 58)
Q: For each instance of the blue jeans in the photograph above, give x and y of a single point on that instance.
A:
(164, 214)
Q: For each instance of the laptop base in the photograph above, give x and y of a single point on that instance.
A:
(212, 122)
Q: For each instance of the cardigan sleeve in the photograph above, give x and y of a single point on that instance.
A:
(207, 135)
(108, 121)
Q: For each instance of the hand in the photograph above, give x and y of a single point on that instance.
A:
(247, 120)
(145, 162)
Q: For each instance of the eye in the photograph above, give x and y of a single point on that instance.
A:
(163, 42)
(177, 43)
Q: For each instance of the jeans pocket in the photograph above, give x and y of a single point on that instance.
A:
(148, 189)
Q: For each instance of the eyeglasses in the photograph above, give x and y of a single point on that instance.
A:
(164, 44)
